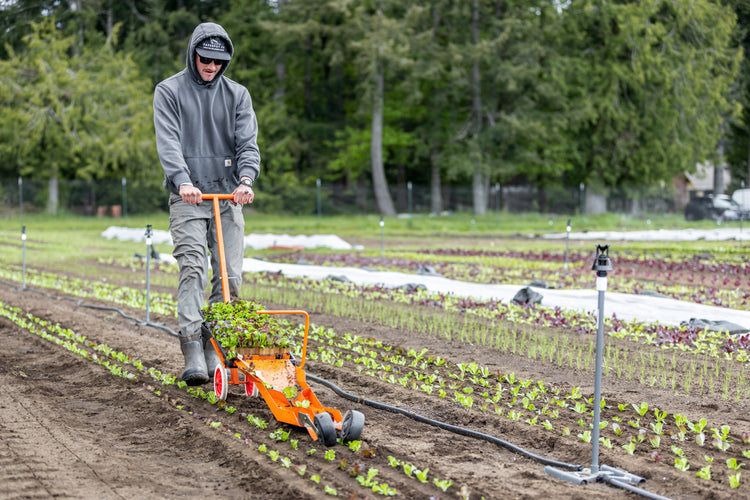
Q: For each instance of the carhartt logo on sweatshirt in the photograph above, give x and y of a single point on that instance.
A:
(228, 162)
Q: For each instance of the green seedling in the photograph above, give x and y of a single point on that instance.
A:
(408, 469)
(704, 473)
(698, 427)
(641, 409)
(443, 484)
(655, 441)
(734, 480)
(732, 464)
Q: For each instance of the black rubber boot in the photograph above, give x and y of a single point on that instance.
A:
(195, 364)
(209, 353)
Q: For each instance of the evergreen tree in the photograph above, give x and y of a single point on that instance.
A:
(73, 116)
(648, 88)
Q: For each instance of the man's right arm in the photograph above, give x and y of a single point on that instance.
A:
(168, 136)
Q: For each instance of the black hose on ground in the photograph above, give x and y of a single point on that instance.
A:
(633, 489)
(80, 303)
(486, 437)
(442, 425)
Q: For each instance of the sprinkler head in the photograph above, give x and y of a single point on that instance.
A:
(602, 264)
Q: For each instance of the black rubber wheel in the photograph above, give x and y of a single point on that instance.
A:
(325, 429)
(352, 425)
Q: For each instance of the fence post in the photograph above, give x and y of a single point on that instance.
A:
(408, 187)
(581, 199)
(124, 198)
(320, 202)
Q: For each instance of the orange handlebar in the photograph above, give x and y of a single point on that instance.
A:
(217, 196)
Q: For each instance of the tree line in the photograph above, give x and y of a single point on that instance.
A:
(376, 93)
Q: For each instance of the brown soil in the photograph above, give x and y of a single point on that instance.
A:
(71, 429)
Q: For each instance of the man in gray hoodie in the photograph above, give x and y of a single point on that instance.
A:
(206, 133)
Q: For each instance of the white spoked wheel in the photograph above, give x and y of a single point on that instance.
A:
(221, 384)
(250, 389)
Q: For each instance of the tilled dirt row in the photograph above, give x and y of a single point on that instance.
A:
(70, 429)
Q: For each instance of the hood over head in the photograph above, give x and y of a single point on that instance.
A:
(209, 40)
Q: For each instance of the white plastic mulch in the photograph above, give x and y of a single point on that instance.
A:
(645, 308)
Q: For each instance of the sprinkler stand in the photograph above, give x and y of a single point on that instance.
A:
(604, 473)
(148, 322)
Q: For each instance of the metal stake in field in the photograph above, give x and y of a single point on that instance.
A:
(23, 255)
(382, 225)
(148, 270)
(567, 244)
(20, 197)
(610, 475)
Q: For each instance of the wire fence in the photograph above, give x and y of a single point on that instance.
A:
(120, 197)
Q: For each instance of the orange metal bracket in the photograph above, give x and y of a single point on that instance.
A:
(220, 239)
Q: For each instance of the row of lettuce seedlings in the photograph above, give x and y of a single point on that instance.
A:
(114, 360)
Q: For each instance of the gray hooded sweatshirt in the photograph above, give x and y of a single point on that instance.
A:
(206, 132)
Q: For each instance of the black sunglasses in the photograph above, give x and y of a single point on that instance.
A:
(207, 60)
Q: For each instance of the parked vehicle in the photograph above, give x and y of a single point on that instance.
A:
(715, 207)
(742, 198)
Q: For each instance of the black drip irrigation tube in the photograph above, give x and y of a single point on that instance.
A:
(633, 489)
(486, 437)
(80, 303)
(442, 425)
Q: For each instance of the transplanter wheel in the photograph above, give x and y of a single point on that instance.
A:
(352, 425)
(325, 429)
(250, 389)
(221, 384)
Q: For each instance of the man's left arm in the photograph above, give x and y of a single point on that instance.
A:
(246, 139)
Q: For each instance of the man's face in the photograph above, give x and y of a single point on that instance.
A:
(207, 71)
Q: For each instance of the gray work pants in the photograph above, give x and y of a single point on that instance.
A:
(193, 231)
